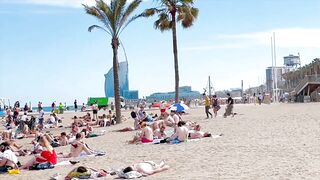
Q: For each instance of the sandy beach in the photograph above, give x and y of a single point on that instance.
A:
(279, 141)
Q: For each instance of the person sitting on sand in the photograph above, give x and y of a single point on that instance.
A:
(8, 160)
(160, 133)
(77, 147)
(181, 133)
(197, 133)
(87, 131)
(168, 120)
(86, 117)
(104, 121)
(176, 118)
(111, 117)
(61, 140)
(136, 124)
(146, 135)
(83, 108)
(78, 121)
(74, 130)
(48, 155)
(147, 168)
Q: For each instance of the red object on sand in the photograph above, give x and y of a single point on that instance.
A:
(157, 105)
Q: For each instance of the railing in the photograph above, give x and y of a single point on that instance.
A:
(305, 80)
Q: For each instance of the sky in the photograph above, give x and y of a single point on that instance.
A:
(47, 53)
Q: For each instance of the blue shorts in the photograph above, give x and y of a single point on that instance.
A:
(41, 121)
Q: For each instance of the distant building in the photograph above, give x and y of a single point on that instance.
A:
(184, 92)
(291, 61)
(123, 81)
(277, 74)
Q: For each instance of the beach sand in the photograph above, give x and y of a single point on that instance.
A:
(279, 141)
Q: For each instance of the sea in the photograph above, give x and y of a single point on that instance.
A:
(35, 109)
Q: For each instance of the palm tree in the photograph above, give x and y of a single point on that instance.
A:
(169, 13)
(115, 17)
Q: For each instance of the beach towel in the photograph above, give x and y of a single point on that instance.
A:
(129, 175)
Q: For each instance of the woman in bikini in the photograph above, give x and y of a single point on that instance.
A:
(146, 134)
(48, 155)
(77, 147)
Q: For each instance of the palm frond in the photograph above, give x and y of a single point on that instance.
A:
(130, 9)
(163, 23)
(118, 11)
(98, 27)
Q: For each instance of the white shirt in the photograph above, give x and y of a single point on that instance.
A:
(8, 154)
(24, 118)
(176, 118)
(41, 114)
(52, 120)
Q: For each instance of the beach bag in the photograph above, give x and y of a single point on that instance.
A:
(42, 166)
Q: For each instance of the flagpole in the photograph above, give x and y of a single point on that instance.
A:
(272, 71)
(275, 64)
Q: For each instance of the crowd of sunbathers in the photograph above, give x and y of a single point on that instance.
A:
(153, 128)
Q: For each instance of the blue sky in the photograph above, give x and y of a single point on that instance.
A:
(47, 54)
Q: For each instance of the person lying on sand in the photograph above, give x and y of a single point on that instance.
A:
(197, 133)
(82, 172)
(77, 147)
(17, 149)
(146, 135)
(8, 160)
(147, 168)
(48, 155)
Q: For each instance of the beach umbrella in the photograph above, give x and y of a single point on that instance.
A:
(179, 107)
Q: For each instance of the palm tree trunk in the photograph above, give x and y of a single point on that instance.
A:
(115, 46)
(175, 54)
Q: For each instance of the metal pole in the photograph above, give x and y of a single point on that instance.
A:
(209, 87)
(275, 64)
(272, 72)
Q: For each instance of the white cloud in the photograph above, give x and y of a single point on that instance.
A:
(285, 38)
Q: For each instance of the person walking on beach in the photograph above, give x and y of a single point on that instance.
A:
(60, 108)
(207, 105)
(95, 110)
(260, 97)
(229, 108)
(75, 105)
(39, 106)
(254, 98)
(53, 106)
(215, 105)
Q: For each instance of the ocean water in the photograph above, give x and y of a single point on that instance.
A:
(45, 109)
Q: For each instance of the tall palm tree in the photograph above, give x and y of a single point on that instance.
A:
(169, 13)
(115, 17)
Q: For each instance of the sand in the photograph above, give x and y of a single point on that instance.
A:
(279, 141)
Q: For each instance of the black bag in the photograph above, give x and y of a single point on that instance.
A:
(41, 166)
